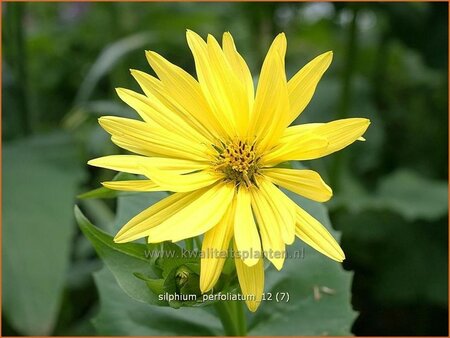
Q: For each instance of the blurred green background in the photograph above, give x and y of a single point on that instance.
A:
(62, 61)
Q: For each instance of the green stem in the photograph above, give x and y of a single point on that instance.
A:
(232, 316)
(346, 95)
(349, 68)
(198, 242)
(17, 59)
(238, 310)
(189, 242)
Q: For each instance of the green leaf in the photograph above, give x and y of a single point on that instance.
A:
(124, 260)
(103, 192)
(40, 179)
(155, 285)
(133, 265)
(414, 196)
(106, 61)
(403, 191)
(120, 315)
(319, 291)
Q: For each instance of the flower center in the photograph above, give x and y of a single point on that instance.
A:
(238, 161)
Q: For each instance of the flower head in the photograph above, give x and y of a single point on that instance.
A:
(216, 145)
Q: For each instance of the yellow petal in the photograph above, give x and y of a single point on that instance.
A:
(341, 133)
(272, 241)
(279, 45)
(133, 185)
(229, 86)
(154, 89)
(310, 231)
(197, 217)
(306, 183)
(216, 79)
(139, 225)
(282, 208)
(135, 164)
(239, 67)
(151, 86)
(251, 280)
(245, 231)
(181, 183)
(271, 105)
(338, 133)
(297, 130)
(157, 114)
(150, 140)
(185, 92)
(303, 84)
(215, 250)
(134, 145)
(307, 147)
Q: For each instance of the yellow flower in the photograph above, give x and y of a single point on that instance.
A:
(215, 144)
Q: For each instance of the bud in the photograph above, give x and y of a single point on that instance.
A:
(187, 281)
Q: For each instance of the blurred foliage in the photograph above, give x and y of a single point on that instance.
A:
(36, 253)
(61, 63)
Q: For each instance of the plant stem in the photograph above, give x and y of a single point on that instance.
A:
(346, 95)
(232, 316)
(198, 242)
(349, 68)
(189, 242)
(17, 58)
(238, 310)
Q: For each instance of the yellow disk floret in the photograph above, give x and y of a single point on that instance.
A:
(238, 160)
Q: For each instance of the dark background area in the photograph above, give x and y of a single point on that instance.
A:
(62, 61)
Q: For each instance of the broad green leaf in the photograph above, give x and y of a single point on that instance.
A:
(99, 212)
(129, 203)
(124, 260)
(319, 291)
(121, 315)
(414, 196)
(134, 264)
(40, 180)
(403, 192)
